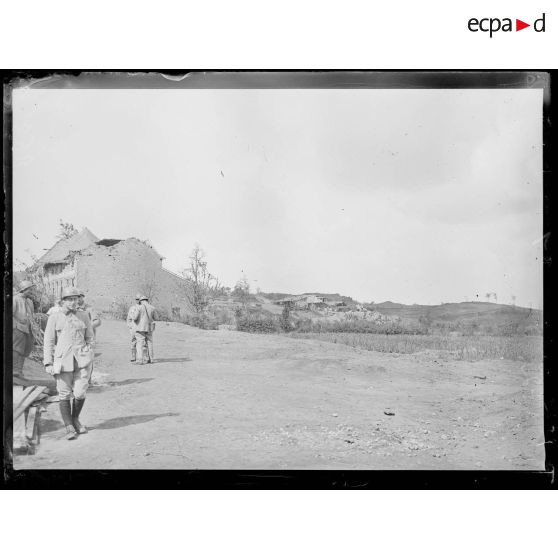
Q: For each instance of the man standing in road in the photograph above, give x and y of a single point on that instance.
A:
(152, 316)
(68, 356)
(132, 326)
(142, 327)
(22, 324)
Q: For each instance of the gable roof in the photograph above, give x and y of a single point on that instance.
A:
(63, 247)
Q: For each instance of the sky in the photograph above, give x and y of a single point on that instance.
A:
(414, 196)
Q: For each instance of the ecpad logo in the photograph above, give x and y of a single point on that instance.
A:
(492, 25)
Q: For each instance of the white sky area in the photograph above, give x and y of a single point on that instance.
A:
(414, 196)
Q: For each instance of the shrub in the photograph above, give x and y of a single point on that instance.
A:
(256, 321)
(163, 316)
(221, 315)
(254, 324)
(45, 303)
(354, 324)
(119, 308)
(286, 321)
(201, 321)
(38, 326)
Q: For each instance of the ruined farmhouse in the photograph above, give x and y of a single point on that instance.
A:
(111, 271)
(310, 302)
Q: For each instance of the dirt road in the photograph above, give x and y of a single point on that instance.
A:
(225, 399)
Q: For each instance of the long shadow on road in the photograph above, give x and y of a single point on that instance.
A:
(129, 381)
(128, 421)
(181, 359)
(50, 425)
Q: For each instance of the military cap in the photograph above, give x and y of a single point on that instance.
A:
(24, 285)
(69, 291)
(143, 298)
(138, 296)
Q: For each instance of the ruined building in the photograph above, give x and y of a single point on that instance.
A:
(111, 272)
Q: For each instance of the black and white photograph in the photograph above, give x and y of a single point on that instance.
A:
(277, 271)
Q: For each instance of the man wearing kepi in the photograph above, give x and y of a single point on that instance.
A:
(142, 327)
(68, 356)
(23, 332)
(152, 316)
(132, 325)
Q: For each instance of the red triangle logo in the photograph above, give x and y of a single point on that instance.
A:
(519, 25)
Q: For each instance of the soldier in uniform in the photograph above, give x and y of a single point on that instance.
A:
(132, 326)
(93, 316)
(142, 327)
(152, 316)
(22, 320)
(68, 356)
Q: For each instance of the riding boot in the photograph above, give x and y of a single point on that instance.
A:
(66, 412)
(78, 406)
(133, 359)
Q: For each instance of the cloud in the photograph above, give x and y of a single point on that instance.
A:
(404, 194)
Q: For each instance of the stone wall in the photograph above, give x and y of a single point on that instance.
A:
(112, 275)
(170, 293)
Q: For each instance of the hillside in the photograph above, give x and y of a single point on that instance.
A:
(483, 317)
(483, 314)
(448, 312)
(272, 297)
(459, 311)
(460, 317)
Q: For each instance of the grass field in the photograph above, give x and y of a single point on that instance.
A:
(473, 347)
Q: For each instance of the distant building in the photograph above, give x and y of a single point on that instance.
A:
(313, 299)
(110, 271)
(335, 303)
(302, 302)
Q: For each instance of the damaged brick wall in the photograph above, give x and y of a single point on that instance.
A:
(171, 295)
(111, 274)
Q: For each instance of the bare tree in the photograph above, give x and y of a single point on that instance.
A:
(67, 230)
(202, 285)
(488, 295)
